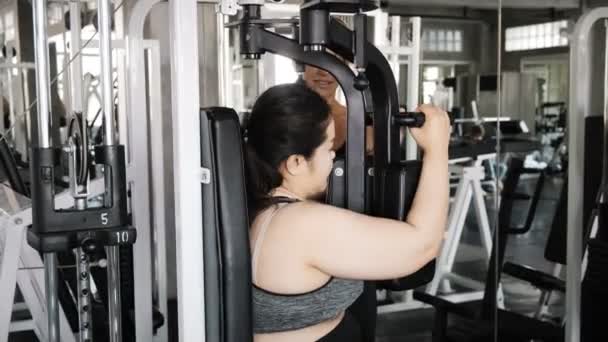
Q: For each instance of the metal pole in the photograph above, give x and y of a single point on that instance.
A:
(139, 171)
(159, 195)
(605, 159)
(52, 304)
(44, 120)
(413, 82)
(395, 44)
(109, 139)
(114, 304)
(24, 104)
(581, 51)
(105, 52)
(185, 101)
(76, 65)
(223, 62)
(83, 266)
(496, 241)
(42, 72)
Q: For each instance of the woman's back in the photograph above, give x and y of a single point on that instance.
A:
(291, 299)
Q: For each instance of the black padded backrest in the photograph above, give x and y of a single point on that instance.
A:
(232, 226)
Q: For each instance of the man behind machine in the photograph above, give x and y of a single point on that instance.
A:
(326, 85)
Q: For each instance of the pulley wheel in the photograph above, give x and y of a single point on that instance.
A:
(77, 130)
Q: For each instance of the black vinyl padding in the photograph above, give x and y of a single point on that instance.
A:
(535, 277)
(399, 184)
(232, 224)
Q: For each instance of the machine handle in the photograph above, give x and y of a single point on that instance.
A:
(413, 119)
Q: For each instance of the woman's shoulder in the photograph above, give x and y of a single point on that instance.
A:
(310, 213)
(290, 210)
(304, 208)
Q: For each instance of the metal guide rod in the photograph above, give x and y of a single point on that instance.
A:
(105, 52)
(496, 241)
(76, 65)
(413, 79)
(114, 304)
(82, 259)
(605, 159)
(42, 72)
(109, 139)
(26, 101)
(52, 303)
(44, 141)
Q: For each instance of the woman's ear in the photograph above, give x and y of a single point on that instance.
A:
(294, 165)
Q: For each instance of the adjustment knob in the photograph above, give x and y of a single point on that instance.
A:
(88, 246)
(361, 82)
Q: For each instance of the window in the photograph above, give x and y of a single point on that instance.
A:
(432, 89)
(441, 40)
(553, 72)
(539, 36)
(430, 78)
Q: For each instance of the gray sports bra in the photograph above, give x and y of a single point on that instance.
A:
(275, 312)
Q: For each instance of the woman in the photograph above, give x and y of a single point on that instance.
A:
(309, 259)
(326, 85)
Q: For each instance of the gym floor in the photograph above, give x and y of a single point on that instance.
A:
(416, 325)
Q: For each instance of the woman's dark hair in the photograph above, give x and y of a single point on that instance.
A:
(286, 119)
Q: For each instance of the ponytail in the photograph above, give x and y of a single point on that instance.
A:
(261, 178)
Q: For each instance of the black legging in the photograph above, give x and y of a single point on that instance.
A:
(347, 331)
(364, 309)
(359, 323)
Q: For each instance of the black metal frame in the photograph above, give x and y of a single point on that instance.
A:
(379, 99)
(63, 229)
(257, 40)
